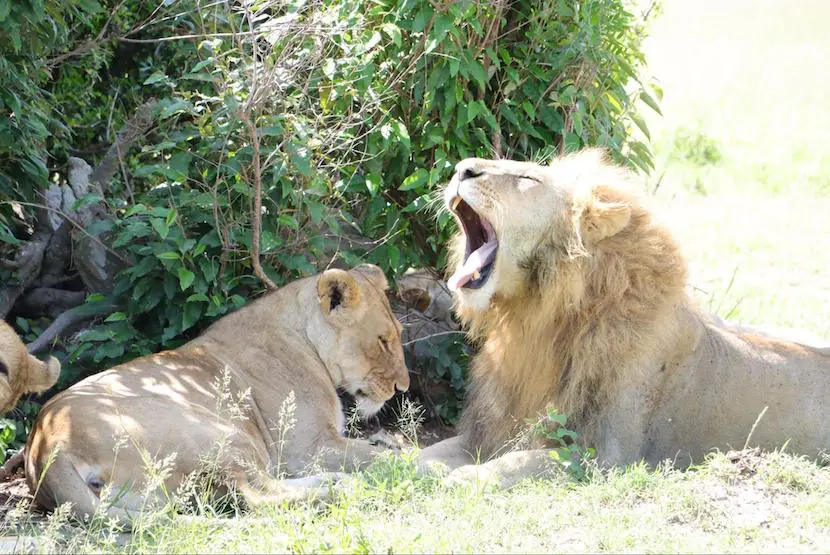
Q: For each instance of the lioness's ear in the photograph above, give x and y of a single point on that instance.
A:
(374, 274)
(337, 290)
(42, 375)
(601, 219)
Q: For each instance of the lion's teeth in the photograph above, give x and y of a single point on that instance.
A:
(455, 202)
(476, 275)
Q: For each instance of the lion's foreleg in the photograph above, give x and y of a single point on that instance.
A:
(447, 454)
(508, 469)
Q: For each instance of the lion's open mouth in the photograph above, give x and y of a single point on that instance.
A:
(481, 249)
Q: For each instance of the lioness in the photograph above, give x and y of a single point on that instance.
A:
(20, 372)
(312, 336)
(577, 296)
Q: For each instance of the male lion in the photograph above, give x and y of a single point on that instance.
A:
(20, 372)
(223, 397)
(577, 298)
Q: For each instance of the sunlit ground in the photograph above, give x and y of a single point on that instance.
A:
(743, 153)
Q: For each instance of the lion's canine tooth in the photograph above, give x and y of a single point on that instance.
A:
(455, 202)
(476, 275)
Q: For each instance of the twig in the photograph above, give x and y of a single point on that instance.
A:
(752, 431)
(439, 334)
(87, 46)
(9, 467)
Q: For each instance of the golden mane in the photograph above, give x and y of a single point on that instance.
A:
(600, 308)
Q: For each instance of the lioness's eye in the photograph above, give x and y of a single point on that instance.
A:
(383, 342)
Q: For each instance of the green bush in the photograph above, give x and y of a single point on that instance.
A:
(339, 118)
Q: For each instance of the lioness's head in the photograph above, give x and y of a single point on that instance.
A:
(359, 339)
(20, 372)
(518, 220)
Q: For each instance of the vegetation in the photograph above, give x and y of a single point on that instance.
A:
(162, 163)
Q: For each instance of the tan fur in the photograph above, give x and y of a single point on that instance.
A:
(308, 338)
(586, 311)
(20, 372)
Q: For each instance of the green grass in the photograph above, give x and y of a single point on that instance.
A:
(744, 154)
(771, 502)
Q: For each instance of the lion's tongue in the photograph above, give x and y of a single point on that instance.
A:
(474, 263)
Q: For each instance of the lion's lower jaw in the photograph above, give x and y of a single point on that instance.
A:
(473, 301)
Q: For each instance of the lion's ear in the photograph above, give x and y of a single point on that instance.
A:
(337, 291)
(601, 219)
(374, 274)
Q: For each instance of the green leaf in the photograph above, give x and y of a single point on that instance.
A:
(156, 77)
(116, 317)
(529, 109)
(141, 288)
(202, 64)
(393, 32)
(300, 157)
(474, 108)
(421, 19)
(477, 72)
(90, 6)
(169, 255)
(179, 164)
(192, 313)
(415, 180)
(288, 221)
(373, 183)
(22, 323)
(640, 122)
(209, 268)
(5, 9)
(186, 278)
(572, 142)
(161, 227)
(648, 99)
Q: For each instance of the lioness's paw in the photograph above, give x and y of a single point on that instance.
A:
(383, 438)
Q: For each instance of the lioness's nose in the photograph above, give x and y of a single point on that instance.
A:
(469, 168)
(402, 383)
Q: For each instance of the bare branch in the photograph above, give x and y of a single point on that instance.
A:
(133, 129)
(55, 329)
(256, 217)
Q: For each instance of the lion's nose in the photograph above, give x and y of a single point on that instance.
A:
(469, 168)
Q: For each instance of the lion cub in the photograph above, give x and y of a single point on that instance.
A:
(256, 393)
